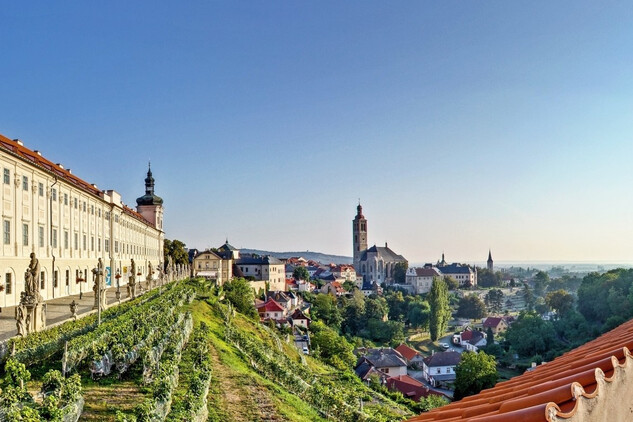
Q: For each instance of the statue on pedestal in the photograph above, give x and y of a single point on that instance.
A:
(20, 320)
(132, 280)
(150, 275)
(99, 286)
(32, 281)
(73, 310)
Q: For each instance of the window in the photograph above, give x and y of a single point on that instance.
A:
(67, 277)
(7, 177)
(84, 206)
(7, 232)
(92, 243)
(116, 246)
(99, 245)
(75, 202)
(8, 284)
(65, 239)
(25, 183)
(76, 241)
(40, 236)
(40, 189)
(99, 213)
(42, 281)
(54, 194)
(439, 371)
(106, 245)
(54, 238)
(84, 242)
(116, 218)
(65, 199)
(55, 280)
(25, 234)
(92, 209)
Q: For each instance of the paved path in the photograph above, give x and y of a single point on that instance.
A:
(58, 310)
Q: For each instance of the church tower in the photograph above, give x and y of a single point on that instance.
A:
(149, 205)
(490, 266)
(359, 232)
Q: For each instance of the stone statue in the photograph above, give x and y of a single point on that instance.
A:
(132, 280)
(32, 278)
(73, 310)
(20, 320)
(150, 275)
(99, 287)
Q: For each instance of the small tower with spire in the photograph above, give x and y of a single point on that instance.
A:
(359, 236)
(490, 265)
(149, 205)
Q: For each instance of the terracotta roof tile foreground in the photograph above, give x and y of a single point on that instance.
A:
(593, 382)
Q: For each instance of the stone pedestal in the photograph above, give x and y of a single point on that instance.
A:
(30, 317)
(104, 301)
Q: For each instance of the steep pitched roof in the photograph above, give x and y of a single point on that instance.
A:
(384, 358)
(270, 306)
(589, 377)
(443, 359)
(410, 387)
(427, 272)
(493, 322)
(407, 352)
(383, 252)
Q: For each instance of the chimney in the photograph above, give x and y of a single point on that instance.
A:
(533, 364)
(19, 142)
(69, 171)
(38, 153)
(60, 166)
(385, 244)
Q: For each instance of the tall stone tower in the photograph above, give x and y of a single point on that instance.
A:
(359, 232)
(149, 205)
(490, 266)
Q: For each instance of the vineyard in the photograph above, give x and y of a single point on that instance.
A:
(182, 355)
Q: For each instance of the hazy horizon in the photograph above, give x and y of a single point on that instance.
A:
(462, 127)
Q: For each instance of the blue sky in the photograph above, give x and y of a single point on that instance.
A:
(461, 126)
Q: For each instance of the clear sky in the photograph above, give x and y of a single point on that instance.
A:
(461, 125)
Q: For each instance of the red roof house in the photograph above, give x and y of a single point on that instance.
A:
(410, 387)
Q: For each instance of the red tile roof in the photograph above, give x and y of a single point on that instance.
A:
(407, 352)
(410, 387)
(551, 391)
(34, 158)
(492, 321)
(270, 306)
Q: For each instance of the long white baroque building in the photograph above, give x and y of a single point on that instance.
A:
(69, 223)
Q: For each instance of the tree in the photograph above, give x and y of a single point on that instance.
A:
(541, 279)
(324, 308)
(494, 300)
(529, 335)
(471, 307)
(176, 249)
(376, 308)
(560, 301)
(301, 273)
(238, 291)
(397, 305)
(400, 272)
(528, 297)
(440, 311)
(418, 315)
(451, 283)
(330, 346)
(353, 313)
(487, 278)
(474, 372)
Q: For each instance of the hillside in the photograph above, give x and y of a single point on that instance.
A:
(186, 355)
(316, 256)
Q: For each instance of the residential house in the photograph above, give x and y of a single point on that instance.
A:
(333, 287)
(473, 340)
(497, 324)
(462, 273)
(271, 310)
(280, 297)
(410, 387)
(299, 318)
(412, 357)
(386, 360)
(439, 368)
(422, 278)
(344, 273)
(370, 288)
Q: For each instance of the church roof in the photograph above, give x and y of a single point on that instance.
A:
(382, 252)
(227, 246)
(589, 378)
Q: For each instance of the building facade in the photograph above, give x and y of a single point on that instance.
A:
(69, 224)
(422, 278)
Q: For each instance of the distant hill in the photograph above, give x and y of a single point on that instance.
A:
(316, 256)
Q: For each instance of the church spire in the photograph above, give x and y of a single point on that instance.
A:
(149, 198)
(490, 263)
